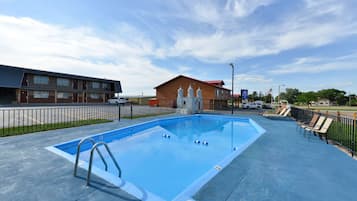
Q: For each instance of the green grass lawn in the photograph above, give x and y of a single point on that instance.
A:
(45, 127)
(344, 133)
(333, 108)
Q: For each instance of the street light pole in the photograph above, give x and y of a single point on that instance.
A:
(281, 85)
(232, 99)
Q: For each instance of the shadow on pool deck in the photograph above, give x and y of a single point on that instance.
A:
(283, 164)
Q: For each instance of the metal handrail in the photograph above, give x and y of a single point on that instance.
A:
(91, 159)
(79, 151)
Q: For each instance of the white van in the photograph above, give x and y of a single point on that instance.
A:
(118, 101)
(252, 105)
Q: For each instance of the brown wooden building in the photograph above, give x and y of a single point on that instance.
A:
(214, 95)
(21, 85)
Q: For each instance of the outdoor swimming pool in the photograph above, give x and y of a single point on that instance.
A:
(171, 158)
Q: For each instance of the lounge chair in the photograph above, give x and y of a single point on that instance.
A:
(278, 110)
(286, 112)
(282, 111)
(318, 124)
(283, 115)
(277, 114)
(323, 130)
(324, 127)
(311, 123)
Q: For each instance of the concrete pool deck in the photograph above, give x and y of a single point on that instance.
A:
(283, 164)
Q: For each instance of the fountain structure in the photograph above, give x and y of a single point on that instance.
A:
(191, 104)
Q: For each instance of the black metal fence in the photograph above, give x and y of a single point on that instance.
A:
(20, 120)
(343, 130)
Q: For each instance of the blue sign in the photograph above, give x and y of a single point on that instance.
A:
(244, 94)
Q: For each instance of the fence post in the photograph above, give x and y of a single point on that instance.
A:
(338, 116)
(354, 121)
(354, 133)
(119, 111)
(338, 125)
(131, 110)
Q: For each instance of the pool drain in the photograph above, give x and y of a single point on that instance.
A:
(204, 142)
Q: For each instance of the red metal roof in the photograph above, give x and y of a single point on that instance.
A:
(215, 82)
(191, 79)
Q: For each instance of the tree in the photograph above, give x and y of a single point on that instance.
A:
(290, 95)
(307, 97)
(267, 98)
(353, 101)
(254, 96)
(334, 95)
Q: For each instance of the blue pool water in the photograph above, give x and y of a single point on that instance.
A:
(173, 167)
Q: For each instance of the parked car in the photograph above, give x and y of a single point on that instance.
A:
(252, 105)
(259, 102)
(118, 101)
(267, 106)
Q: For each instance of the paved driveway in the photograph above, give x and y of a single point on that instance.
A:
(23, 116)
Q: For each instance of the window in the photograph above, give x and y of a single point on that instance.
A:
(94, 96)
(63, 95)
(105, 85)
(226, 93)
(95, 85)
(41, 94)
(38, 79)
(63, 82)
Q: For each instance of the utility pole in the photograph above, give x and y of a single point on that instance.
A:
(232, 97)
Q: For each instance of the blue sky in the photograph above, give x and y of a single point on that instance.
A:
(304, 44)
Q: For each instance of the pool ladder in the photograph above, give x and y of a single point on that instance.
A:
(95, 146)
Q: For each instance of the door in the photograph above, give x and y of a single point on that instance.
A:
(106, 97)
(80, 98)
(75, 84)
(23, 97)
(75, 97)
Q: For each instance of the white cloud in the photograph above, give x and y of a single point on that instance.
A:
(30, 43)
(206, 30)
(250, 81)
(318, 65)
(242, 8)
(314, 25)
(184, 69)
(252, 78)
(335, 85)
(205, 11)
(321, 7)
